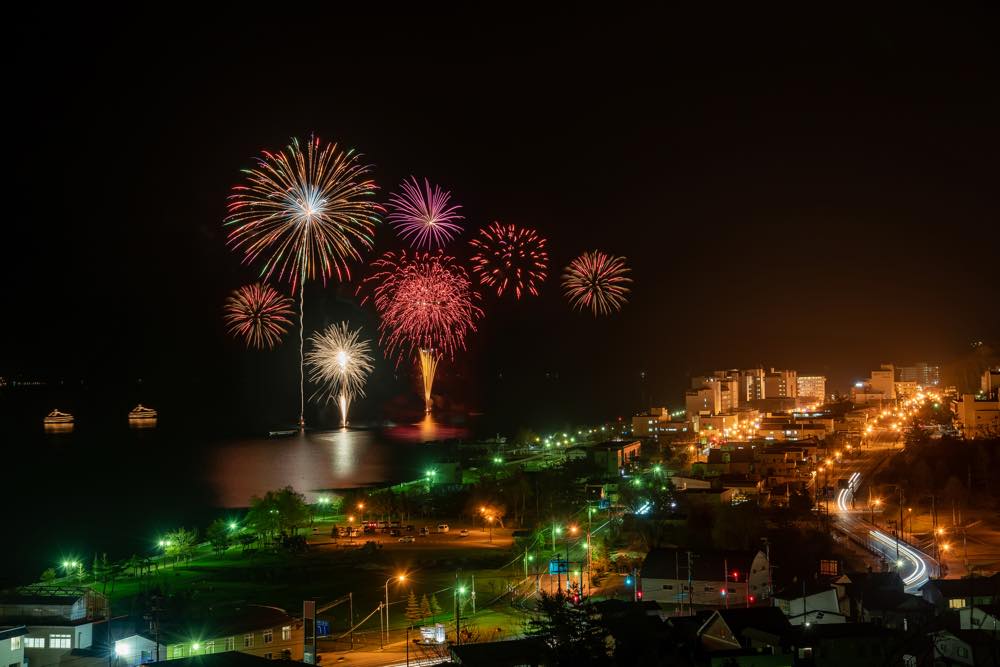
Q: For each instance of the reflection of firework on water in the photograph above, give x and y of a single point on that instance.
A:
(423, 216)
(425, 301)
(340, 362)
(302, 210)
(258, 314)
(597, 281)
(510, 256)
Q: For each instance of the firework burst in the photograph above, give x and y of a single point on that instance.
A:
(512, 257)
(597, 281)
(340, 363)
(427, 307)
(423, 216)
(303, 211)
(259, 315)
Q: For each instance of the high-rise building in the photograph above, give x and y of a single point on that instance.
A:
(812, 387)
(704, 401)
(921, 372)
(781, 384)
(989, 384)
(751, 385)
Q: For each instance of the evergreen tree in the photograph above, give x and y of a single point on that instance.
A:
(435, 606)
(425, 607)
(412, 608)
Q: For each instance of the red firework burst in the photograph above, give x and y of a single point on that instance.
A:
(597, 281)
(425, 300)
(508, 256)
(258, 314)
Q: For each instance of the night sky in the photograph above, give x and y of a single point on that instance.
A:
(808, 191)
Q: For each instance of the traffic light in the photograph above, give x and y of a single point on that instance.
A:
(638, 594)
(736, 575)
(628, 581)
(753, 599)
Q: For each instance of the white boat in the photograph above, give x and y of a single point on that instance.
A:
(142, 412)
(56, 417)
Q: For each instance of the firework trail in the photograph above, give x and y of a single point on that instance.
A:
(597, 281)
(303, 212)
(340, 362)
(423, 216)
(259, 315)
(512, 257)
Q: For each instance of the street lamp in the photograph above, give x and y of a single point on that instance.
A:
(401, 578)
(459, 592)
(489, 520)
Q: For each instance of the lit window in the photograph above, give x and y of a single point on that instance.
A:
(286, 632)
(248, 641)
(34, 642)
(230, 643)
(956, 603)
(268, 656)
(210, 647)
(179, 651)
(60, 641)
(268, 636)
(15, 643)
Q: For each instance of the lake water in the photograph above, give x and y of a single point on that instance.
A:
(105, 487)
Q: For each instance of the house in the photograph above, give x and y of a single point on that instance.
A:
(59, 620)
(809, 603)
(986, 618)
(839, 644)
(760, 630)
(715, 578)
(12, 645)
(528, 652)
(962, 593)
(267, 632)
(854, 587)
(965, 647)
(896, 610)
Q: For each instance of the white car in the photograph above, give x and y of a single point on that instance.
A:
(405, 539)
(464, 532)
(443, 528)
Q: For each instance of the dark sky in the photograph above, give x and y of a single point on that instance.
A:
(815, 191)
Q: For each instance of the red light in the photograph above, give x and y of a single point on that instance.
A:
(639, 594)
(753, 599)
(736, 575)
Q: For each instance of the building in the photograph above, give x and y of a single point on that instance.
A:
(883, 381)
(615, 456)
(920, 373)
(724, 424)
(58, 619)
(851, 644)
(812, 387)
(12, 645)
(266, 632)
(751, 385)
(759, 630)
(906, 389)
(706, 577)
(526, 652)
(977, 417)
(962, 593)
(781, 384)
(703, 401)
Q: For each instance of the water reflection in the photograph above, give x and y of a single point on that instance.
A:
(426, 430)
(59, 428)
(142, 422)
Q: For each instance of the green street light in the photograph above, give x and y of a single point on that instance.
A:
(461, 590)
(232, 525)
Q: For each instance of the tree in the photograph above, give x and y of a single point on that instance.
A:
(49, 574)
(218, 535)
(180, 544)
(573, 633)
(435, 607)
(281, 511)
(425, 607)
(413, 613)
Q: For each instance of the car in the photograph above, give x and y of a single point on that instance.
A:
(464, 532)
(407, 538)
(425, 531)
(443, 528)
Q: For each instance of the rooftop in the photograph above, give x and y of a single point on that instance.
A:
(708, 565)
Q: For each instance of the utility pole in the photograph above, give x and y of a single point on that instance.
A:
(725, 580)
(473, 593)
(690, 584)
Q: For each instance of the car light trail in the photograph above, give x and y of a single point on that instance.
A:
(919, 576)
(852, 484)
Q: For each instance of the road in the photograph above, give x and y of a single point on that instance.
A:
(914, 566)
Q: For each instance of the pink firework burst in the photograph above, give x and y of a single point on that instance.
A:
(597, 281)
(426, 302)
(512, 257)
(422, 215)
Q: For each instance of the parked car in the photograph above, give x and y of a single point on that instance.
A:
(425, 531)
(409, 528)
(443, 528)
(464, 532)
(407, 538)
(394, 532)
